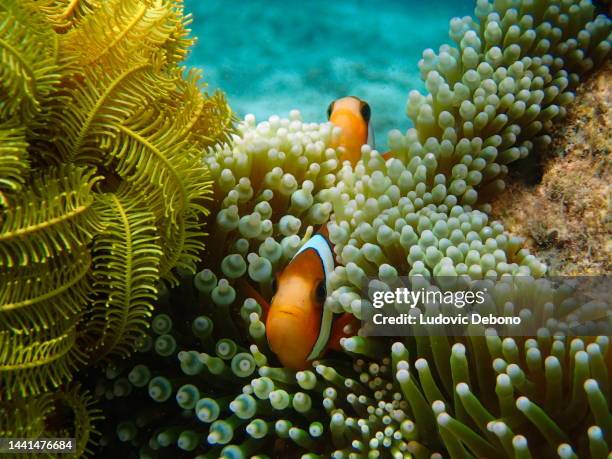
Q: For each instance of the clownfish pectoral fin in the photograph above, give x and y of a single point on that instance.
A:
(344, 327)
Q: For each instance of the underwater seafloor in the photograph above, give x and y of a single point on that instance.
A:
(181, 279)
(284, 55)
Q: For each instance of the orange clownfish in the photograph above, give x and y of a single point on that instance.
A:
(298, 326)
(353, 116)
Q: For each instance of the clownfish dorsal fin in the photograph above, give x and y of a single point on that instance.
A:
(324, 231)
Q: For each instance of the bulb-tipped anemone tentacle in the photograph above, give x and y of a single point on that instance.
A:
(492, 98)
(267, 192)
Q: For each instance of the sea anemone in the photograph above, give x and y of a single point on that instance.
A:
(267, 193)
(490, 99)
(220, 395)
(422, 214)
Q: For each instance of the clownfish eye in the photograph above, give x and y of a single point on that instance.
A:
(366, 112)
(330, 109)
(321, 292)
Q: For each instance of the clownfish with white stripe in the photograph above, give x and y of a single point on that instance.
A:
(298, 326)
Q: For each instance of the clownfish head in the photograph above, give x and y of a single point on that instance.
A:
(297, 325)
(353, 116)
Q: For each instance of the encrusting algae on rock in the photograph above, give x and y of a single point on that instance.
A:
(219, 389)
(571, 192)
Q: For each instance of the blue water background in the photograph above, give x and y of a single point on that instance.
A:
(273, 56)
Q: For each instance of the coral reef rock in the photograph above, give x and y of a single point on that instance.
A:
(572, 193)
